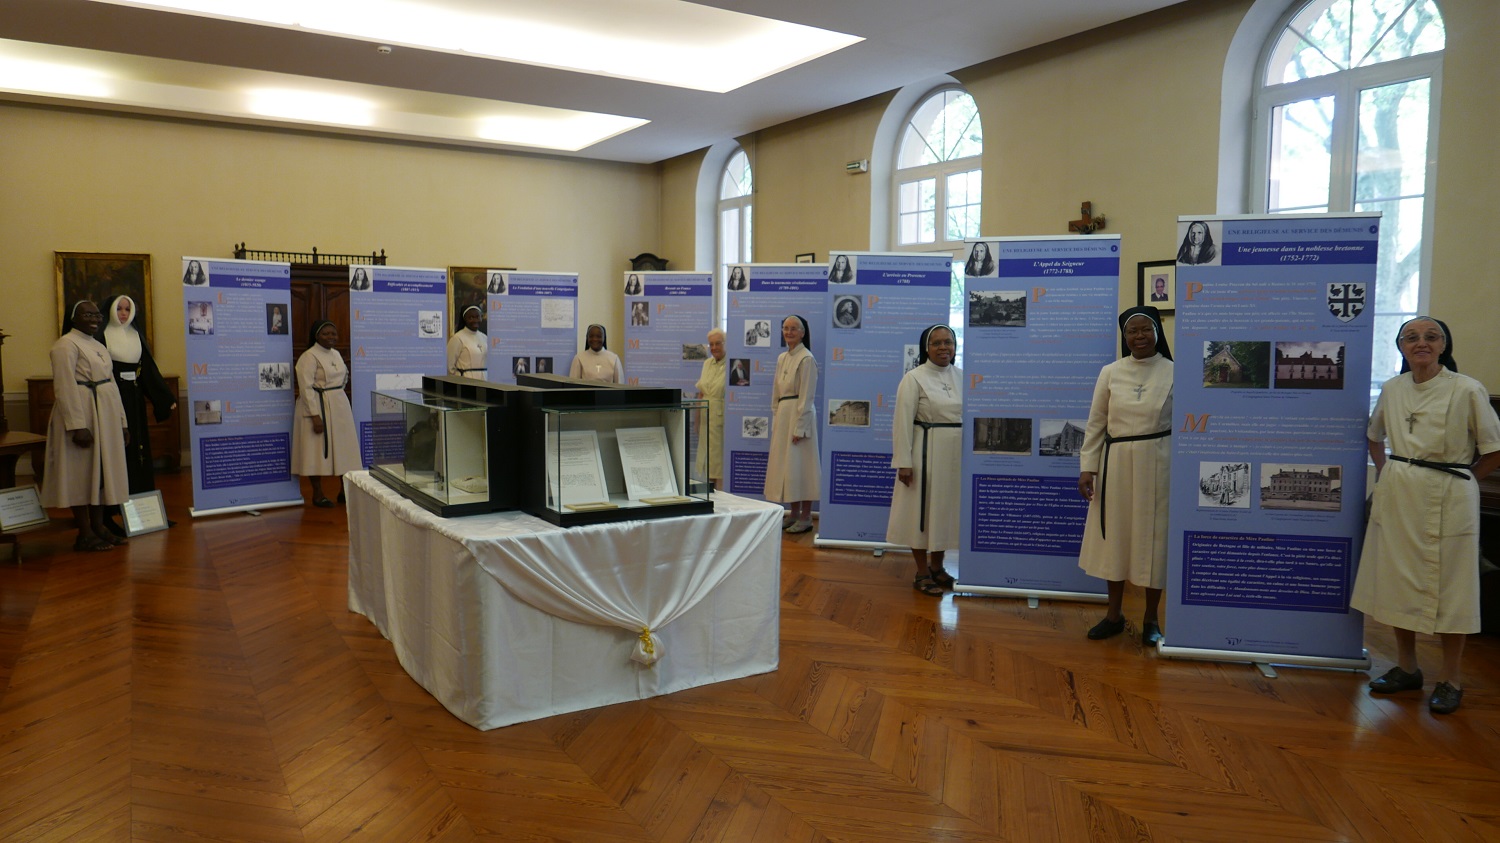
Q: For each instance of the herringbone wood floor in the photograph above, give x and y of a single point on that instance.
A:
(208, 683)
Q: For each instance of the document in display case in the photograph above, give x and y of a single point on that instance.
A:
(633, 441)
(446, 447)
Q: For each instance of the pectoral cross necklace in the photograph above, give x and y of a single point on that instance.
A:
(1411, 422)
(1138, 390)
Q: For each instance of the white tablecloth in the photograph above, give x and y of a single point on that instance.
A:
(506, 618)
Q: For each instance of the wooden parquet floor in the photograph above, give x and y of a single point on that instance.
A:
(208, 683)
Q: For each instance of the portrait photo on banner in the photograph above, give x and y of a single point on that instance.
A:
(99, 277)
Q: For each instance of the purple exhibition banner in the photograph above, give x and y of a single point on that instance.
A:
(396, 335)
(533, 323)
(239, 384)
(1040, 322)
(667, 318)
(759, 297)
(1271, 399)
(878, 305)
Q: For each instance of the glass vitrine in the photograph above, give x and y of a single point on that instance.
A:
(433, 449)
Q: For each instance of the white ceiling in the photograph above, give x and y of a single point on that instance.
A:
(905, 41)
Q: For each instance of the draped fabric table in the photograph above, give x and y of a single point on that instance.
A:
(506, 618)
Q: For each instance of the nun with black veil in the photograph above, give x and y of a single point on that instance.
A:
(143, 392)
(1124, 473)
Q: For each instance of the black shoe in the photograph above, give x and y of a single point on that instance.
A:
(1106, 629)
(322, 502)
(1445, 699)
(342, 499)
(1397, 679)
(1151, 633)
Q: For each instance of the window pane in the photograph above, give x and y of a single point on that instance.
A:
(748, 251)
(1399, 271)
(943, 128)
(1392, 155)
(1386, 359)
(729, 236)
(1300, 164)
(1332, 35)
(737, 178)
(963, 205)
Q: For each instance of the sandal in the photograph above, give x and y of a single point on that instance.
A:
(322, 501)
(91, 543)
(942, 577)
(110, 538)
(799, 527)
(925, 584)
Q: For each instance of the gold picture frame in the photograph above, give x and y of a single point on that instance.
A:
(99, 277)
(467, 286)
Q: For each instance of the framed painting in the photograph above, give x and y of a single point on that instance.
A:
(99, 277)
(469, 285)
(1156, 284)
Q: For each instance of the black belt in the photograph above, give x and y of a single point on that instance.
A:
(926, 428)
(463, 371)
(786, 398)
(323, 412)
(1456, 469)
(1104, 468)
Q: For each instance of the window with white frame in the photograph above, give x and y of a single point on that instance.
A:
(1348, 102)
(735, 215)
(937, 184)
(937, 175)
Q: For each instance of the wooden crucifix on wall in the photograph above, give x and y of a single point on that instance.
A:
(1087, 223)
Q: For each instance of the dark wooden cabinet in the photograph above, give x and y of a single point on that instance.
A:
(166, 436)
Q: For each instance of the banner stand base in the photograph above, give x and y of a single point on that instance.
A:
(1033, 596)
(1263, 661)
(879, 548)
(225, 510)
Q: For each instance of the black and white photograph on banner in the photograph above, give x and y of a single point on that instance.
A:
(640, 313)
(981, 262)
(846, 412)
(520, 365)
(755, 427)
(274, 376)
(1309, 365)
(359, 280)
(757, 333)
(543, 365)
(739, 371)
(841, 271)
(276, 322)
(1306, 487)
(694, 351)
(1002, 436)
(848, 311)
(194, 276)
(738, 282)
(201, 318)
(633, 285)
(1224, 485)
(1200, 241)
(430, 324)
(909, 355)
(997, 308)
(496, 285)
(1234, 364)
(208, 412)
(1061, 437)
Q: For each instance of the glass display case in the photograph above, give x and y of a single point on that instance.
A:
(440, 450)
(597, 455)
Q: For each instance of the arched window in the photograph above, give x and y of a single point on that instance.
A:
(1348, 97)
(936, 189)
(736, 207)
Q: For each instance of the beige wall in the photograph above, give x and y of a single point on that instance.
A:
(75, 181)
(1127, 117)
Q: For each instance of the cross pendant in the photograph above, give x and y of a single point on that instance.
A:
(1138, 390)
(1411, 421)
